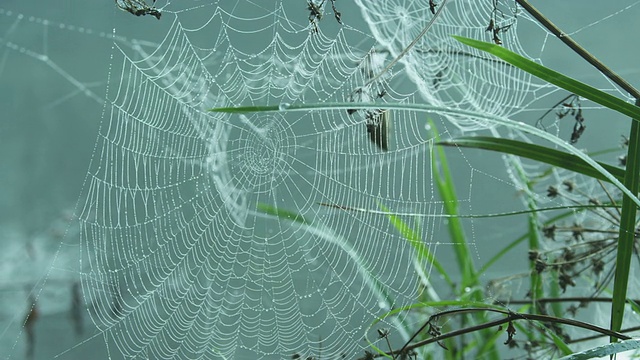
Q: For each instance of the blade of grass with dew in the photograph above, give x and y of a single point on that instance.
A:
(634, 305)
(490, 118)
(604, 350)
(446, 189)
(535, 152)
(574, 86)
(283, 214)
(559, 343)
(445, 185)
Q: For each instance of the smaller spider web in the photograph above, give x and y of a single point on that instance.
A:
(450, 74)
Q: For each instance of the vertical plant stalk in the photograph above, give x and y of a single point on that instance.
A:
(627, 233)
(631, 181)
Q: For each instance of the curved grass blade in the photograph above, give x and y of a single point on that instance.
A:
(283, 214)
(632, 178)
(535, 152)
(577, 87)
(493, 119)
(604, 350)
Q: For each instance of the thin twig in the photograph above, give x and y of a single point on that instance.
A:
(589, 338)
(585, 299)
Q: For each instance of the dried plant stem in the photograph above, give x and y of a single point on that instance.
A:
(509, 317)
(605, 70)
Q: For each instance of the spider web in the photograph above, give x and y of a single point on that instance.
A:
(186, 263)
(173, 228)
(182, 255)
(448, 73)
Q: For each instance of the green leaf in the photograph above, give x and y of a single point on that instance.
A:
(627, 234)
(245, 109)
(283, 214)
(604, 350)
(535, 152)
(560, 344)
(446, 189)
(491, 118)
(574, 86)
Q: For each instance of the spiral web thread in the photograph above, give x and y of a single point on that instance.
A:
(182, 256)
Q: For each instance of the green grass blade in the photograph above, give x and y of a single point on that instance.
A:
(631, 178)
(536, 152)
(283, 214)
(574, 86)
(490, 118)
(605, 350)
(446, 188)
(560, 344)
(470, 277)
(626, 237)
